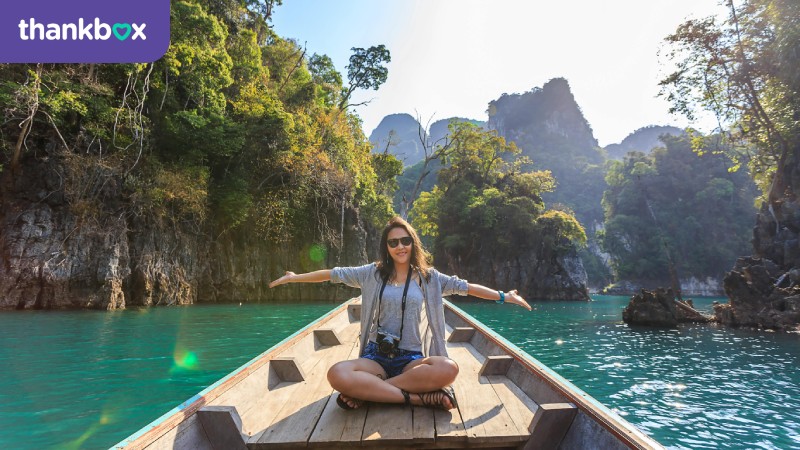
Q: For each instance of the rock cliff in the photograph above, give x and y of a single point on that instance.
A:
(764, 289)
(538, 277)
(762, 295)
(52, 258)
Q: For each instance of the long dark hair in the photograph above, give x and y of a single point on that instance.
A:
(419, 257)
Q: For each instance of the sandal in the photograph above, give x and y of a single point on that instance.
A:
(406, 398)
(435, 399)
(343, 404)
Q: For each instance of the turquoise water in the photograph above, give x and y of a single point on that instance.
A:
(89, 379)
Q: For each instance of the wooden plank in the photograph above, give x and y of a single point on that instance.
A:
(337, 427)
(242, 396)
(223, 426)
(287, 369)
(327, 336)
(496, 365)
(424, 426)
(271, 402)
(354, 312)
(461, 334)
(388, 424)
(305, 352)
(297, 418)
(550, 424)
(188, 434)
(449, 427)
(520, 407)
(267, 409)
(484, 415)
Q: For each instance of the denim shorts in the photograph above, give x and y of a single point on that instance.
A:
(392, 366)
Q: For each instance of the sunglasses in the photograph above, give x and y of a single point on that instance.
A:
(406, 241)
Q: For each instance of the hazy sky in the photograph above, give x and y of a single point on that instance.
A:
(452, 57)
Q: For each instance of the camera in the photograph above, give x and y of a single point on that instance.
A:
(388, 344)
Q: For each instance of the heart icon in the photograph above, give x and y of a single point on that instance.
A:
(121, 35)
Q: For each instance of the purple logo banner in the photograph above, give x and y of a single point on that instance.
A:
(84, 31)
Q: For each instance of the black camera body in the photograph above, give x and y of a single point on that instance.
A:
(388, 344)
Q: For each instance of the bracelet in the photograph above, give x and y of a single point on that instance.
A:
(502, 298)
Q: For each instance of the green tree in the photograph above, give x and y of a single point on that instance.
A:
(679, 204)
(365, 71)
(485, 206)
(235, 129)
(743, 70)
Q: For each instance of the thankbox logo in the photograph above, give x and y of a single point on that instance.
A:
(32, 30)
(84, 31)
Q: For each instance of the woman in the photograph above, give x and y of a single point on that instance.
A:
(402, 321)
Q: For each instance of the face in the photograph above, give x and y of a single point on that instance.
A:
(402, 253)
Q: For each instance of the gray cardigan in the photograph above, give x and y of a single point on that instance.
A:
(432, 327)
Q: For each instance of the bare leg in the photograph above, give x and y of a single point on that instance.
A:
(426, 374)
(363, 379)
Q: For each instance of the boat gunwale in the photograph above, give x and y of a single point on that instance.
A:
(625, 431)
(177, 415)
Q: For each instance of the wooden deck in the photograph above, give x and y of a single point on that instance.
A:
(492, 411)
(282, 399)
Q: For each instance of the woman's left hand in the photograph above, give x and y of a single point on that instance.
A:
(515, 298)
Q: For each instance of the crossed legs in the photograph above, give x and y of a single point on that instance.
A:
(365, 380)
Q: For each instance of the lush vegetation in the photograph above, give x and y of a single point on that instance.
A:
(743, 69)
(676, 204)
(234, 125)
(486, 207)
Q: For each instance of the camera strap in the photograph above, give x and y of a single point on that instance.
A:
(402, 305)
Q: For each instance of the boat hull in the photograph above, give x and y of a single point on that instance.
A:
(281, 399)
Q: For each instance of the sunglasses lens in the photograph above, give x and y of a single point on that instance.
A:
(406, 241)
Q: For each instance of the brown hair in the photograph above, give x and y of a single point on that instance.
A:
(419, 257)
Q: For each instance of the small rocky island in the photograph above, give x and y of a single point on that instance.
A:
(659, 308)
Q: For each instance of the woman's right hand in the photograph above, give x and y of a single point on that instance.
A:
(287, 277)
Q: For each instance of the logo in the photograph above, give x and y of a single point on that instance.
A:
(32, 30)
(84, 31)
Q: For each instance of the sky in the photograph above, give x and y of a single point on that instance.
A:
(452, 57)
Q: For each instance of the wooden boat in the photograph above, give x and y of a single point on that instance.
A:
(282, 399)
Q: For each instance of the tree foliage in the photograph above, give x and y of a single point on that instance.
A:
(743, 69)
(234, 125)
(485, 205)
(366, 70)
(691, 203)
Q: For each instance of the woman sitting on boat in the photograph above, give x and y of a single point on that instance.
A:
(402, 321)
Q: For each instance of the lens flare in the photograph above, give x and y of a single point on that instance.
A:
(317, 253)
(185, 359)
(107, 417)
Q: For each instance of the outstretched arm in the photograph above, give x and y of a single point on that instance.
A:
(477, 290)
(311, 277)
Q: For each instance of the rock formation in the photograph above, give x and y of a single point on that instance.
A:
(762, 295)
(399, 135)
(659, 308)
(537, 276)
(50, 258)
(642, 140)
